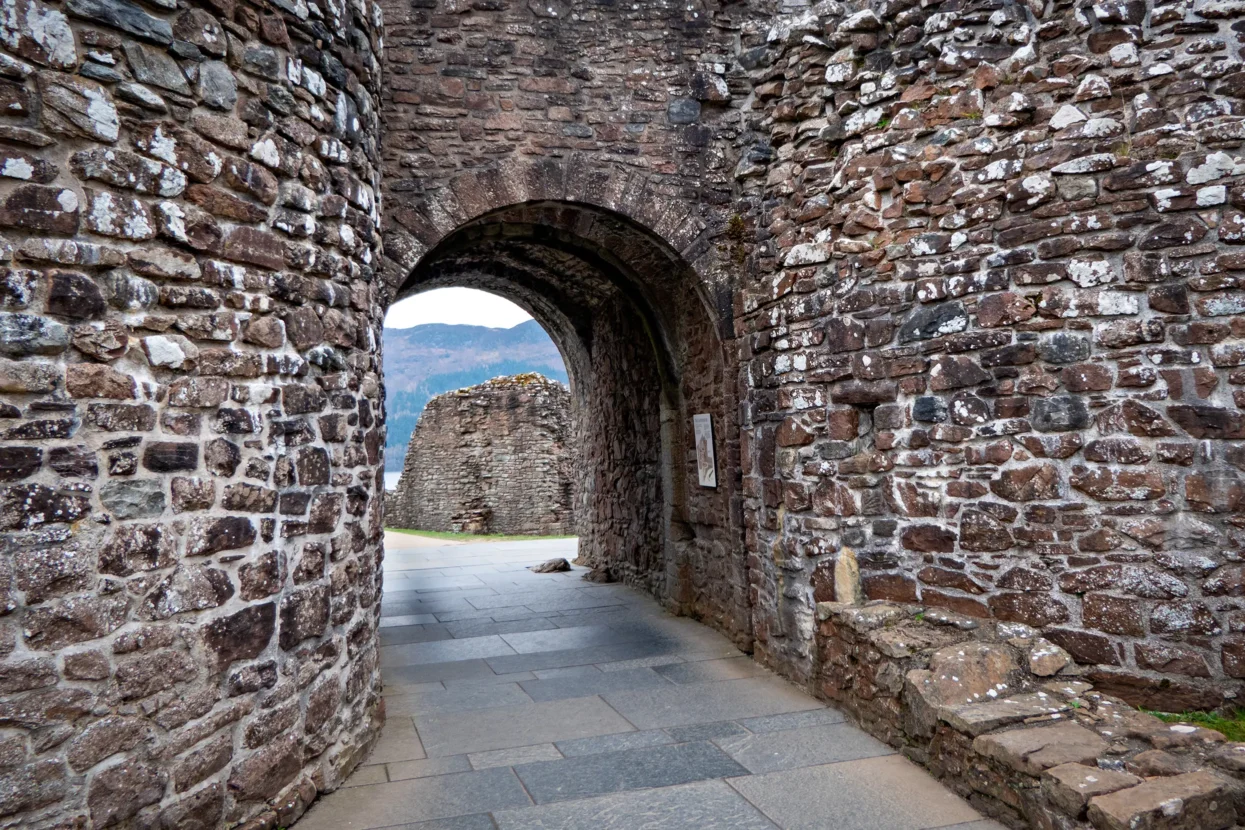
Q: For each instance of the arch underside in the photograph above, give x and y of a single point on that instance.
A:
(643, 354)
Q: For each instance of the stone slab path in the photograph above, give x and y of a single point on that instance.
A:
(521, 701)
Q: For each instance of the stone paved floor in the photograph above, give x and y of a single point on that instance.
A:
(542, 702)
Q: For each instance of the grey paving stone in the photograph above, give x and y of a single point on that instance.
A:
(398, 742)
(458, 614)
(434, 672)
(466, 582)
(603, 614)
(480, 628)
(406, 770)
(409, 619)
(984, 824)
(444, 796)
(580, 656)
(445, 651)
(706, 731)
(511, 726)
(570, 603)
(401, 635)
(582, 685)
(520, 612)
(613, 743)
(480, 821)
(396, 689)
(512, 598)
(793, 720)
(641, 662)
(372, 774)
(632, 769)
(513, 677)
(887, 793)
(568, 671)
(708, 805)
(707, 702)
(514, 757)
(414, 607)
(581, 636)
(458, 699)
(731, 668)
(808, 747)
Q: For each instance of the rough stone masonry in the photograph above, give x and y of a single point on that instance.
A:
(191, 423)
(958, 283)
(995, 343)
(490, 458)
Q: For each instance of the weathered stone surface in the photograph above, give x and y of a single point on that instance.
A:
(78, 108)
(263, 774)
(978, 718)
(1195, 800)
(91, 380)
(170, 456)
(123, 15)
(104, 738)
(1036, 749)
(119, 792)
(516, 431)
(29, 376)
(241, 636)
(1071, 786)
(133, 499)
(39, 33)
(304, 613)
(38, 208)
(208, 536)
(552, 566)
(52, 626)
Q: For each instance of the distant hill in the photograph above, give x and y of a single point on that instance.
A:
(424, 361)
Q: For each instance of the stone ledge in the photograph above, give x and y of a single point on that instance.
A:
(1006, 719)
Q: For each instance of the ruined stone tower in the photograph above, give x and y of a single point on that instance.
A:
(491, 458)
(192, 415)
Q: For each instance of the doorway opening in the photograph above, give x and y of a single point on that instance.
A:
(644, 357)
(478, 419)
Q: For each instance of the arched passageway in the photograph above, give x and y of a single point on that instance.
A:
(644, 355)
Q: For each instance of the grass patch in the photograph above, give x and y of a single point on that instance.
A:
(471, 537)
(1233, 726)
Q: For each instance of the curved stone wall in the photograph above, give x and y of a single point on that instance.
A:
(996, 346)
(496, 457)
(190, 423)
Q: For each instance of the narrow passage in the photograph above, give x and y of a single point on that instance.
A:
(526, 701)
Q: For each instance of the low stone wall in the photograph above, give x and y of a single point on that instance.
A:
(491, 458)
(1006, 719)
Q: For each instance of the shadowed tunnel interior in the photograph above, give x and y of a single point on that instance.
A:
(643, 356)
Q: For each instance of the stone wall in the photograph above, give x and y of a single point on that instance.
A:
(492, 458)
(993, 336)
(191, 423)
(972, 280)
(1005, 718)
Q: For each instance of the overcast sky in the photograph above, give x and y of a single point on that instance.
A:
(460, 306)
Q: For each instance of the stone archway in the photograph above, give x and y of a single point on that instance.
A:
(642, 344)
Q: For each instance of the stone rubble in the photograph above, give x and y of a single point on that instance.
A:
(1031, 750)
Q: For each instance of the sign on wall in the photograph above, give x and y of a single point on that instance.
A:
(706, 464)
